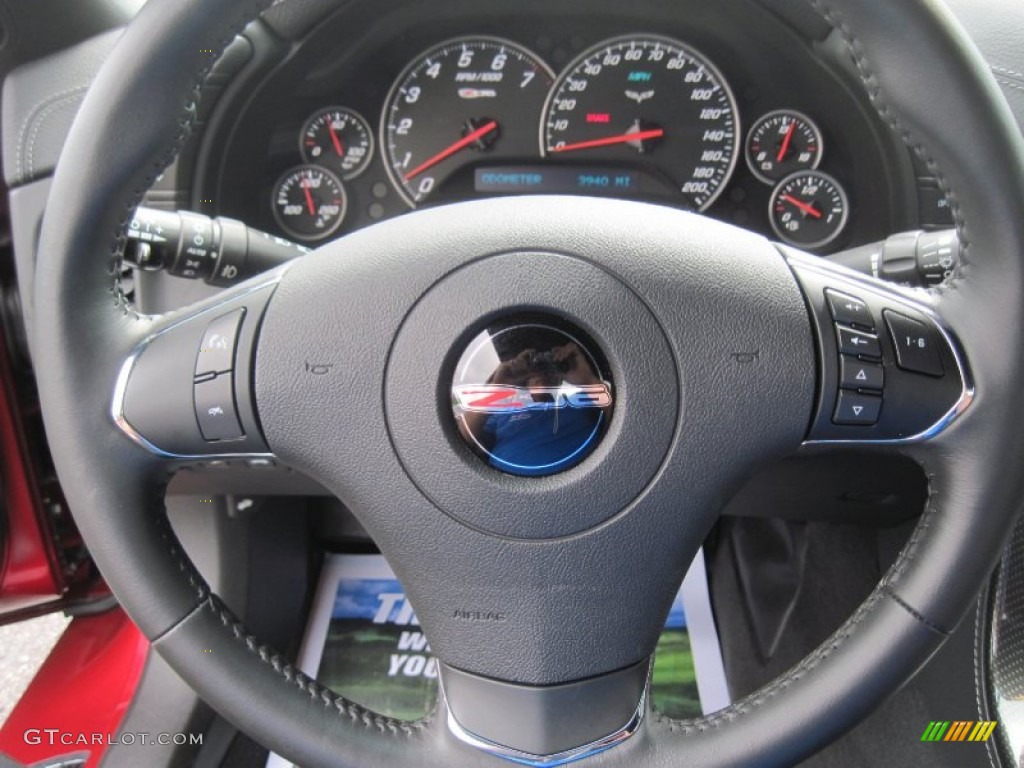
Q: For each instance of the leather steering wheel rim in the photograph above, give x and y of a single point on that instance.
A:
(126, 133)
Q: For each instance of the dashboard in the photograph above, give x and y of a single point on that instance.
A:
(718, 107)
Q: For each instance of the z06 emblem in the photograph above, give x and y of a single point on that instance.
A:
(496, 398)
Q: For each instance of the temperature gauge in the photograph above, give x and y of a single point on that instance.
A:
(338, 139)
(808, 209)
(309, 202)
(781, 143)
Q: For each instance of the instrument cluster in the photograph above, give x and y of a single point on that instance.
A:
(717, 108)
(643, 116)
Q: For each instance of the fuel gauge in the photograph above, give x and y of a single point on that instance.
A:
(809, 209)
(783, 142)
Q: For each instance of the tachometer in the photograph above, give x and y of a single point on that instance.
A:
(650, 102)
(462, 101)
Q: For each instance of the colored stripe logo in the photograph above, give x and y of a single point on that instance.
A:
(959, 730)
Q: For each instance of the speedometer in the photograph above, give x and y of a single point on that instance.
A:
(652, 103)
(462, 102)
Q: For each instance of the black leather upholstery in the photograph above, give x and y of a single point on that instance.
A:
(40, 101)
(995, 27)
(907, 53)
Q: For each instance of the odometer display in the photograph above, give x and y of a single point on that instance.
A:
(650, 102)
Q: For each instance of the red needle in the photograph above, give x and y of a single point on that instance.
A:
(622, 138)
(807, 208)
(335, 140)
(465, 141)
(310, 205)
(785, 142)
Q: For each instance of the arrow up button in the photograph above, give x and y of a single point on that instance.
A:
(857, 374)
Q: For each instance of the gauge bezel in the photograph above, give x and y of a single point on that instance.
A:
(371, 150)
(284, 226)
(412, 65)
(843, 220)
(696, 55)
(758, 174)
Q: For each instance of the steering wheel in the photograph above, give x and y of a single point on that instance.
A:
(707, 352)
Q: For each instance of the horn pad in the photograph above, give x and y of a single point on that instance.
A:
(531, 395)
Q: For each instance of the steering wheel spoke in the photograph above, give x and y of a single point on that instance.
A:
(891, 371)
(185, 391)
(547, 724)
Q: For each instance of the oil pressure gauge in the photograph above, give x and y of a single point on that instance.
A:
(339, 139)
(809, 209)
(783, 142)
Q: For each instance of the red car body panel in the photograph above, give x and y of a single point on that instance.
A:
(80, 695)
(29, 574)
